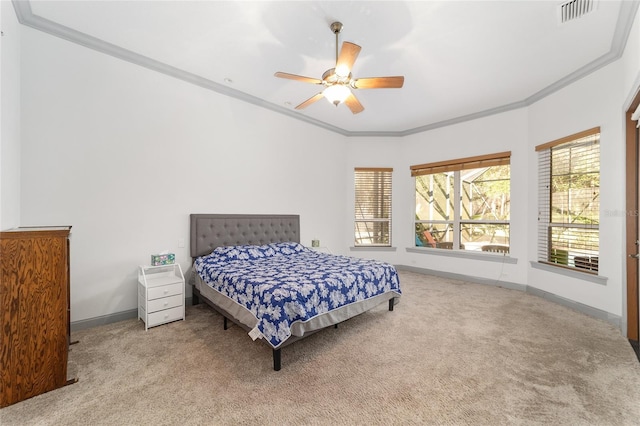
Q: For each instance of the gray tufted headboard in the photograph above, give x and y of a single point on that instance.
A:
(209, 231)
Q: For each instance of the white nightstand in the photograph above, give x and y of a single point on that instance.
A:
(160, 294)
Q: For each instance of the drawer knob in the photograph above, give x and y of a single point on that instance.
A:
(166, 291)
(166, 303)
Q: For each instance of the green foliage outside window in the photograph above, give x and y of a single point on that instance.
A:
(484, 207)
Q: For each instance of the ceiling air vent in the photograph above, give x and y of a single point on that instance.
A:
(574, 9)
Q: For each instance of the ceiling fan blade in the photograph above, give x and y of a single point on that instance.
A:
(354, 104)
(379, 82)
(298, 78)
(311, 100)
(347, 57)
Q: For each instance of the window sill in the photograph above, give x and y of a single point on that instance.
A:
(372, 248)
(584, 276)
(465, 254)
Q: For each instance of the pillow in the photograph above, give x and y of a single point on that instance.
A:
(252, 252)
(228, 253)
(287, 248)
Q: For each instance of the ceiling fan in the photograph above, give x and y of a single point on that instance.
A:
(339, 81)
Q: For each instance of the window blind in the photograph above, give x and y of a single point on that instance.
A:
(373, 206)
(498, 159)
(463, 204)
(569, 201)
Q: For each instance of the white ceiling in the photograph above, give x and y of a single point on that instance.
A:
(460, 59)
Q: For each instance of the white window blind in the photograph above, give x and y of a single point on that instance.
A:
(373, 206)
(569, 201)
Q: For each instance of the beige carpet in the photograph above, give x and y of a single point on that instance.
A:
(450, 353)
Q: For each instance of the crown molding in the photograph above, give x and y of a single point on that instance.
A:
(626, 16)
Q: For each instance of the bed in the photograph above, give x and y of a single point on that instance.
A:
(253, 270)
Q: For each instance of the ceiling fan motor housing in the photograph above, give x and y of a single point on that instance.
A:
(329, 78)
(336, 27)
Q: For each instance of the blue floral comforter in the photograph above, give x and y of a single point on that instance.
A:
(282, 283)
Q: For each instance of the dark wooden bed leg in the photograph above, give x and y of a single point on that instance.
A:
(195, 298)
(226, 323)
(277, 360)
(391, 301)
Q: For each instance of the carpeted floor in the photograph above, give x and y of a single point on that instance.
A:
(450, 353)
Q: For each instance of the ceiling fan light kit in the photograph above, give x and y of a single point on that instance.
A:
(336, 94)
(338, 82)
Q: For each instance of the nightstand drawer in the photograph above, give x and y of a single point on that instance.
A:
(167, 315)
(164, 291)
(165, 303)
(160, 294)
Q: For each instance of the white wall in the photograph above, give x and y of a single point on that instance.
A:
(493, 134)
(497, 133)
(9, 118)
(596, 100)
(376, 152)
(124, 155)
(593, 101)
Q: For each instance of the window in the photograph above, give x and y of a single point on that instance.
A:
(569, 201)
(464, 204)
(373, 206)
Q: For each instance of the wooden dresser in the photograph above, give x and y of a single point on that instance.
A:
(34, 311)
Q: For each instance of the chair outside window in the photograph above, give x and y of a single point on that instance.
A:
(495, 248)
(586, 262)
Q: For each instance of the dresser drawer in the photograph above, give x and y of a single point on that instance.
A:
(164, 291)
(167, 315)
(165, 303)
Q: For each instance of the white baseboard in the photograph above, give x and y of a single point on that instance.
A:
(110, 318)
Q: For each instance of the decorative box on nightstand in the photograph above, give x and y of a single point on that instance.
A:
(160, 294)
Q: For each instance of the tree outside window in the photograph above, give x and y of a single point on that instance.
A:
(569, 201)
(479, 220)
(373, 206)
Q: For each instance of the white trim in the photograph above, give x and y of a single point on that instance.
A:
(464, 254)
(570, 272)
(636, 116)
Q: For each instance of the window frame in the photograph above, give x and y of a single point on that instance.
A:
(382, 203)
(547, 253)
(455, 167)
